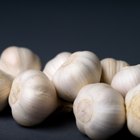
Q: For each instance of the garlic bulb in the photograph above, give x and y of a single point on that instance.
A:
(54, 64)
(81, 68)
(15, 60)
(110, 67)
(127, 78)
(32, 98)
(132, 102)
(5, 86)
(99, 111)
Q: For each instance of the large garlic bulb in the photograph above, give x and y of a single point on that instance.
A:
(132, 102)
(110, 67)
(81, 68)
(32, 98)
(54, 64)
(5, 86)
(127, 78)
(99, 111)
(15, 60)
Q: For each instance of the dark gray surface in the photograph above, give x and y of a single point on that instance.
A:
(110, 29)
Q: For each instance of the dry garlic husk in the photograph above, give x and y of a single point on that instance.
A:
(54, 64)
(132, 102)
(14, 60)
(99, 111)
(80, 69)
(32, 98)
(5, 86)
(127, 78)
(110, 67)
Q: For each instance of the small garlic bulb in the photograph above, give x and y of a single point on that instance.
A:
(99, 111)
(110, 67)
(32, 98)
(54, 64)
(127, 78)
(5, 86)
(15, 60)
(81, 68)
(132, 102)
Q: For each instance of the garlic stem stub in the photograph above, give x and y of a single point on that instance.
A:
(132, 102)
(127, 78)
(15, 60)
(110, 67)
(80, 69)
(99, 111)
(54, 64)
(32, 98)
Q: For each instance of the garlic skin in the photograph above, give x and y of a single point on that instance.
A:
(54, 64)
(14, 60)
(99, 111)
(32, 98)
(110, 67)
(5, 86)
(80, 69)
(127, 78)
(132, 102)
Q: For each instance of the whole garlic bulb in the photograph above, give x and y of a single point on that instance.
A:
(81, 68)
(15, 60)
(127, 78)
(110, 67)
(32, 98)
(5, 86)
(99, 111)
(132, 102)
(54, 64)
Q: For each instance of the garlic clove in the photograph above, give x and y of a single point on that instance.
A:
(32, 98)
(132, 102)
(14, 60)
(110, 67)
(54, 64)
(127, 78)
(81, 68)
(99, 111)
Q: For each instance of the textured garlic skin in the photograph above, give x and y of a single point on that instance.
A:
(127, 78)
(5, 86)
(99, 111)
(54, 64)
(14, 60)
(110, 67)
(80, 69)
(32, 98)
(132, 102)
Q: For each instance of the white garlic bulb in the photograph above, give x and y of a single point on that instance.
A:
(5, 86)
(54, 64)
(132, 102)
(110, 67)
(32, 98)
(81, 68)
(15, 60)
(127, 78)
(99, 111)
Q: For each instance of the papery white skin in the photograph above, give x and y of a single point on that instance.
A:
(5, 87)
(127, 78)
(32, 98)
(14, 60)
(81, 68)
(110, 67)
(54, 64)
(132, 102)
(99, 111)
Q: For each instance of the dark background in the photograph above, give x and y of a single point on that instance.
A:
(108, 28)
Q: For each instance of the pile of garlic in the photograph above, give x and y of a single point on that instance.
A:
(103, 94)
